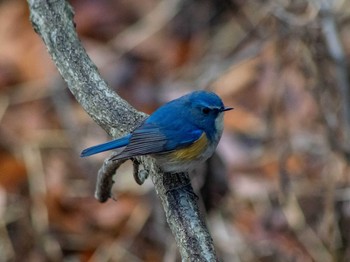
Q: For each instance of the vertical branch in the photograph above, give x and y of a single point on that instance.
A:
(336, 52)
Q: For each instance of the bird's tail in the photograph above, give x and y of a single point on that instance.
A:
(106, 146)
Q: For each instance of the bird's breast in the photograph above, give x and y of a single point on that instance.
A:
(184, 159)
(193, 151)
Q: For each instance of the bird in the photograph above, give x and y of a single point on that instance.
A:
(180, 134)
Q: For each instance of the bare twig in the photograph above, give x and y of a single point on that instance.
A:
(150, 24)
(105, 179)
(300, 20)
(336, 52)
(39, 210)
(306, 235)
(6, 247)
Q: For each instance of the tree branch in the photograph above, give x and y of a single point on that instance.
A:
(53, 21)
(336, 52)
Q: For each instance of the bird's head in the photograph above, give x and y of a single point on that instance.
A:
(207, 111)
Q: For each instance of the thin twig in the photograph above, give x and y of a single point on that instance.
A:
(105, 180)
(336, 52)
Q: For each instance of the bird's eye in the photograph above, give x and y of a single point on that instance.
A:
(205, 110)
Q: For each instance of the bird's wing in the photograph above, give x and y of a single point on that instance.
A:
(151, 139)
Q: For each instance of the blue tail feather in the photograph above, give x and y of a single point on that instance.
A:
(106, 146)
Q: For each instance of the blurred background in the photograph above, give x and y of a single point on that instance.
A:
(278, 188)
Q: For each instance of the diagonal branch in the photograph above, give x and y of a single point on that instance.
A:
(53, 21)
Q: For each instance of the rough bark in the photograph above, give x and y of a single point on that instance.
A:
(53, 21)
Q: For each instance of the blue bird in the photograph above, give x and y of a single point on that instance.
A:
(179, 135)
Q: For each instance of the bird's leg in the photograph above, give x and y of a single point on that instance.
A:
(105, 178)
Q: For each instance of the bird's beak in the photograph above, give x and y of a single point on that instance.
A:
(227, 109)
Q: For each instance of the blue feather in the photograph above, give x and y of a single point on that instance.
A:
(106, 146)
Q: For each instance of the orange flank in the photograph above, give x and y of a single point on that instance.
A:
(193, 151)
